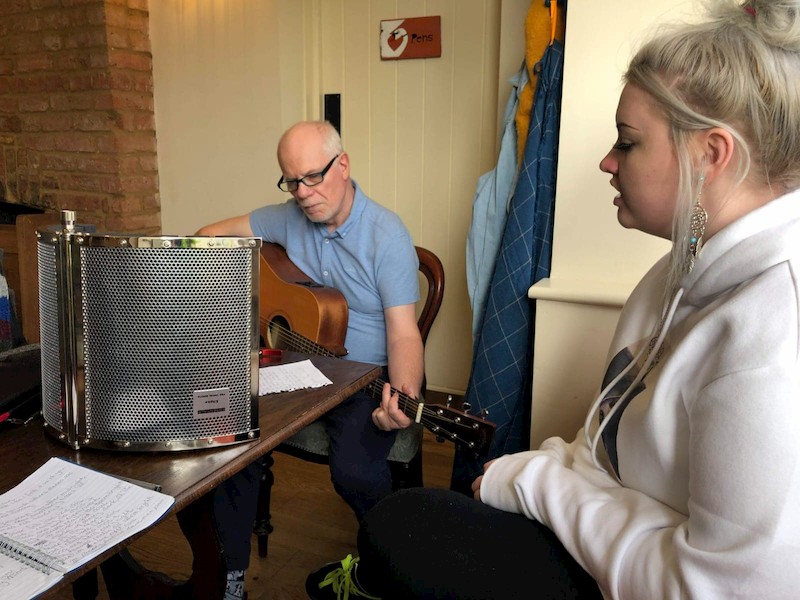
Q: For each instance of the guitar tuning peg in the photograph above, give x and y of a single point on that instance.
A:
(467, 406)
(449, 400)
(485, 413)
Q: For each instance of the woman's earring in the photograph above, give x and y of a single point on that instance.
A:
(697, 224)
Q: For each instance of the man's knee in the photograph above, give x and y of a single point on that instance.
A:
(360, 478)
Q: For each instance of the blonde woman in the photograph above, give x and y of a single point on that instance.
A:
(685, 480)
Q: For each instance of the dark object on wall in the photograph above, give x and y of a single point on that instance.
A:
(333, 111)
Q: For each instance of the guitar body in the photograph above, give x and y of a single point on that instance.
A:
(291, 301)
(299, 314)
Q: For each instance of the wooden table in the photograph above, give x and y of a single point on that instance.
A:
(188, 476)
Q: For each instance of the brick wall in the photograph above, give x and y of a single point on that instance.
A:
(77, 128)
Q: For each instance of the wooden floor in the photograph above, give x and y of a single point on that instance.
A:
(313, 526)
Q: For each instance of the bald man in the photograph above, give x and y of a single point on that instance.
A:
(342, 239)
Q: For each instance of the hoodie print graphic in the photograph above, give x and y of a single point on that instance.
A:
(617, 365)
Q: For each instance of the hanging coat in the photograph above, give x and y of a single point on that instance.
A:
(500, 381)
(490, 208)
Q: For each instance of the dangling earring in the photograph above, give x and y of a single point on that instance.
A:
(697, 225)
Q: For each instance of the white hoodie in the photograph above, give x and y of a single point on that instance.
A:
(707, 504)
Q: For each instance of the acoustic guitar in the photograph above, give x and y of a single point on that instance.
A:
(301, 315)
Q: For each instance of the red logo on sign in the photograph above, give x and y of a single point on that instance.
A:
(418, 37)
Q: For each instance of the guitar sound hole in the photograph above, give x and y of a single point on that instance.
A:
(278, 334)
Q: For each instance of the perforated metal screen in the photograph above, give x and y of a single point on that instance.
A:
(155, 325)
(49, 336)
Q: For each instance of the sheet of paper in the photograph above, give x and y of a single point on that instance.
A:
(287, 378)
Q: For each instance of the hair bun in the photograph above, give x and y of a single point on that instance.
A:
(777, 21)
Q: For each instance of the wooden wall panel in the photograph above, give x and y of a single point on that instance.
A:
(355, 87)
(419, 134)
(383, 101)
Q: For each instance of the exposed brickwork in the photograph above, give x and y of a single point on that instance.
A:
(77, 128)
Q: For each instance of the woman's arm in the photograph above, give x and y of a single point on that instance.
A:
(740, 538)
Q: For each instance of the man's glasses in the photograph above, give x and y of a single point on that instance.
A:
(310, 180)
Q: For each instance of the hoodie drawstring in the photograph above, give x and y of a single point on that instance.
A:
(649, 362)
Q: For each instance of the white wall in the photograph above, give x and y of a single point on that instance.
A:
(596, 262)
(231, 76)
(219, 87)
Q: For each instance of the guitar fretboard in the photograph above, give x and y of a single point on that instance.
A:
(434, 420)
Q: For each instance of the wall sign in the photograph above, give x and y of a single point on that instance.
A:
(417, 37)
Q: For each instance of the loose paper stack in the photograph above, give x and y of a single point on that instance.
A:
(290, 377)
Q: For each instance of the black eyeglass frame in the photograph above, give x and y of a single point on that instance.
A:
(296, 182)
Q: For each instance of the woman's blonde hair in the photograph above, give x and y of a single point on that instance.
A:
(739, 70)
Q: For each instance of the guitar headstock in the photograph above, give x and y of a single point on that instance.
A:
(466, 431)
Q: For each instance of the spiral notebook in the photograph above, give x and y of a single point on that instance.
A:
(63, 515)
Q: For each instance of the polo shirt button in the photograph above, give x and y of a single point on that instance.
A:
(325, 273)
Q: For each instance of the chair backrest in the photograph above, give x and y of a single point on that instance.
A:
(431, 267)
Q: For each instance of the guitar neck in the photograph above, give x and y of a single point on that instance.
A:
(322, 331)
(299, 343)
(295, 342)
(407, 404)
(469, 432)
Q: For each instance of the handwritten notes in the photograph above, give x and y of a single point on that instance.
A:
(290, 377)
(62, 516)
(18, 580)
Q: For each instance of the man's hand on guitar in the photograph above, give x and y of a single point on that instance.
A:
(388, 415)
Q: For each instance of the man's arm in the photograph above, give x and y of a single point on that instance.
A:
(406, 365)
(235, 227)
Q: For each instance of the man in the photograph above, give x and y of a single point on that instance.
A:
(342, 239)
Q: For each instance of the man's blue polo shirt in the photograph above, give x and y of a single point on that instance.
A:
(370, 259)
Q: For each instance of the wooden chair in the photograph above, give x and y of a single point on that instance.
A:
(312, 443)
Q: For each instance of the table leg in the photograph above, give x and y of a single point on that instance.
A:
(263, 524)
(126, 579)
(85, 587)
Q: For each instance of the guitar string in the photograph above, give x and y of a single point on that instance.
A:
(301, 343)
(376, 387)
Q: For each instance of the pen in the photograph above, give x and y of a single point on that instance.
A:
(145, 484)
(24, 405)
(22, 421)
